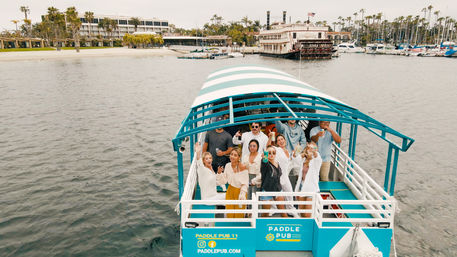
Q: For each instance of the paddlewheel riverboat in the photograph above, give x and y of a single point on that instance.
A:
(351, 216)
(296, 41)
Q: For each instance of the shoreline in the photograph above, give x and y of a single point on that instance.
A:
(84, 53)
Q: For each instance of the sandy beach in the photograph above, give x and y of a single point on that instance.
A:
(68, 54)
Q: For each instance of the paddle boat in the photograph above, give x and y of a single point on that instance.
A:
(350, 216)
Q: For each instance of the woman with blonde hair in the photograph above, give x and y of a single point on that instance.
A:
(308, 176)
(207, 178)
(236, 174)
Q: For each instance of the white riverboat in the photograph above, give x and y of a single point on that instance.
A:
(296, 41)
(350, 216)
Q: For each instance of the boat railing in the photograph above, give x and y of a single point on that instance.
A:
(330, 213)
(378, 206)
(326, 212)
(357, 179)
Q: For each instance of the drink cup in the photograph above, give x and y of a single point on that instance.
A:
(265, 156)
(298, 149)
(273, 136)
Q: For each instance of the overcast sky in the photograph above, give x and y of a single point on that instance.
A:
(191, 14)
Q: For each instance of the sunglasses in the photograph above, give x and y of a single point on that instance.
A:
(255, 126)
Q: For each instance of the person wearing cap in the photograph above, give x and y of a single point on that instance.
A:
(323, 136)
(218, 142)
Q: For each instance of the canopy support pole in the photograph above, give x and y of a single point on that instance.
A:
(394, 172)
(300, 122)
(354, 140)
(388, 165)
(339, 128)
(192, 141)
(180, 173)
(232, 119)
(285, 105)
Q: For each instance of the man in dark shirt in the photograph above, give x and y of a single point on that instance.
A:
(219, 143)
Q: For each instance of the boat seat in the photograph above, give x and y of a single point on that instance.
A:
(232, 224)
(336, 224)
(326, 186)
(346, 194)
(203, 207)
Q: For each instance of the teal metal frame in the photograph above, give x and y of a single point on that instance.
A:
(300, 107)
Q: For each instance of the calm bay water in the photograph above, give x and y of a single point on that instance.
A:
(87, 167)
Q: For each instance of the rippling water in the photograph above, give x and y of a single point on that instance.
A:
(87, 167)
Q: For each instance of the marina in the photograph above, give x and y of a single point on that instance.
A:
(211, 129)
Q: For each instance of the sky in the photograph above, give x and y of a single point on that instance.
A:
(192, 14)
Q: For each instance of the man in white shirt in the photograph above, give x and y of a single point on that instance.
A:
(245, 138)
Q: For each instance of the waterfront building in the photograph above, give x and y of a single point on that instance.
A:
(218, 40)
(339, 37)
(21, 42)
(124, 26)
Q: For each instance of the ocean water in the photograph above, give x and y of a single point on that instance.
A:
(87, 166)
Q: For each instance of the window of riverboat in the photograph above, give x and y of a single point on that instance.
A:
(123, 22)
(156, 23)
(149, 23)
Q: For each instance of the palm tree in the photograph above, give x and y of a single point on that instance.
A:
(75, 24)
(436, 13)
(430, 7)
(340, 21)
(357, 28)
(439, 20)
(245, 20)
(57, 22)
(362, 11)
(135, 22)
(368, 18)
(109, 25)
(15, 23)
(416, 21)
(89, 16)
(25, 10)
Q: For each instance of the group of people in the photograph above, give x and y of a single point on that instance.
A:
(283, 161)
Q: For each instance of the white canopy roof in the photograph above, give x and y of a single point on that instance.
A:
(248, 79)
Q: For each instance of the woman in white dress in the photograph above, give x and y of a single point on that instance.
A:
(207, 178)
(236, 174)
(252, 163)
(308, 177)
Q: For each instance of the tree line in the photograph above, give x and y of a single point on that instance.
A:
(57, 26)
(425, 28)
(242, 31)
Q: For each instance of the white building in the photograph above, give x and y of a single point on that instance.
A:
(124, 24)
